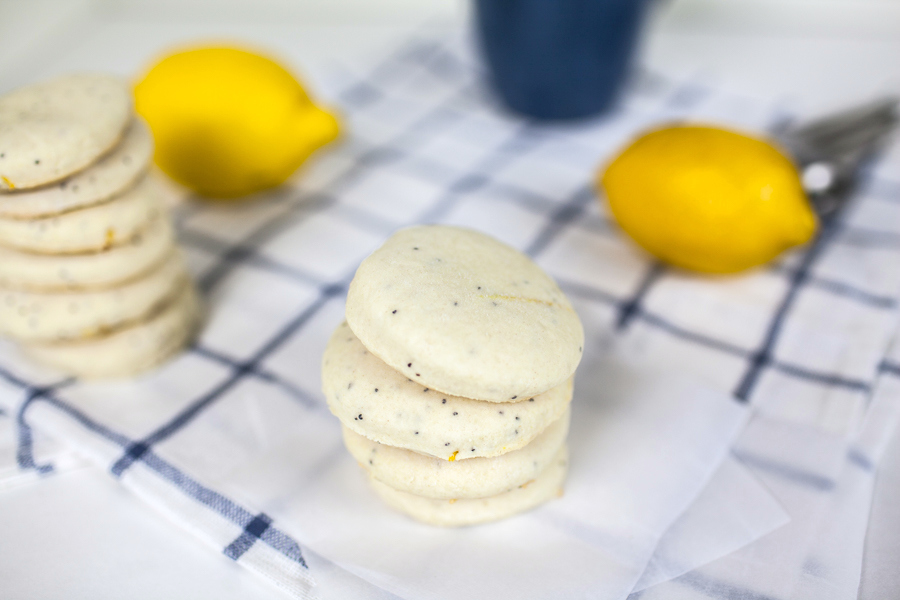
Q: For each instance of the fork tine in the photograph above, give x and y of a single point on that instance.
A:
(845, 135)
(879, 112)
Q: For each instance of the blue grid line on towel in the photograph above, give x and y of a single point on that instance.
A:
(763, 357)
(306, 398)
(839, 288)
(828, 379)
(887, 366)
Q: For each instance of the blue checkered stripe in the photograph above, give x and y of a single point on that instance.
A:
(801, 339)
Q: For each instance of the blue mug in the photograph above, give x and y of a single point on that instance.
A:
(558, 59)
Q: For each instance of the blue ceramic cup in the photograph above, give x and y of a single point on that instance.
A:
(558, 59)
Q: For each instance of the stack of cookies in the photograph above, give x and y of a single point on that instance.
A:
(452, 376)
(90, 279)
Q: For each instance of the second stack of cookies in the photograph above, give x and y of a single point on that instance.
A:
(452, 377)
(91, 281)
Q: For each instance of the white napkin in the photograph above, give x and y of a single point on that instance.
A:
(732, 511)
(828, 494)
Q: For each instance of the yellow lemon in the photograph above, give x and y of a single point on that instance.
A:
(707, 199)
(228, 122)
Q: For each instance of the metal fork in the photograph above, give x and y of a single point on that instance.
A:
(831, 150)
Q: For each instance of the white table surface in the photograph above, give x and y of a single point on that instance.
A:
(79, 534)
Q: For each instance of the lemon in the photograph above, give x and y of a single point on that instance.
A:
(708, 199)
(228, 122)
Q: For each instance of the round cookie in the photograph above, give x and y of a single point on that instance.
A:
(460, 312)
(52, 129)
(130, 350)
(429, 477)
(26, 271)
(470, 511)
(377, 402)
(40, 316)
(87, 229)
(116, 171)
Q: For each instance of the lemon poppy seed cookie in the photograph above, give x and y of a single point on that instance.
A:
(470, 511)
(129, 350)
(27, 271)
(382, 404)
(52, 129)
(116, 171)
(460, 312)
(49, 316)
(87, 229)
(430, 477)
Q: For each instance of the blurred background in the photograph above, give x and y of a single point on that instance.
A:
(819, 53)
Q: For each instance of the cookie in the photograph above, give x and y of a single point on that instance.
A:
(26, 271)
(129, 350)
(116, 171)
(53, 129)
(430, 477)
(457, 311)
(43, 316)
(470, 511)
(377, 402)
(87, 229)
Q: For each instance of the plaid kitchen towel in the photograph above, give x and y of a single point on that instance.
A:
(238, 422)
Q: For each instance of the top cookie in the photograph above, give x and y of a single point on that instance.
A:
(52, 129)
(460, 312)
